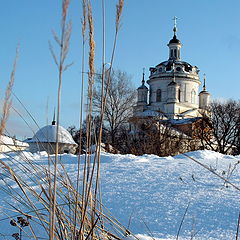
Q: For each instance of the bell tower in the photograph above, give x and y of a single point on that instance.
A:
(142, 92)
(174, 44)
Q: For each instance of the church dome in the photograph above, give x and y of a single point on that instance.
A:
(47, 134)
(204, 92)
(174, 40)
(169, 64)
(143, 87)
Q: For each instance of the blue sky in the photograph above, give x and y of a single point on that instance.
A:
(208, 29)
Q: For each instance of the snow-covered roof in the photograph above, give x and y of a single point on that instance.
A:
(184, 121)
(150, 113)
(188, 111)
(48, 134)
(5, 140)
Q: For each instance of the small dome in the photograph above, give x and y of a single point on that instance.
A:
(174, 40)
(48, 134)
(204, 92)
(143, 87)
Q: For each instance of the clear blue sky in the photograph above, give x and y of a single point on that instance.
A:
(208, 29)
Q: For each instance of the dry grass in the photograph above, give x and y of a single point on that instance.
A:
(61, 208)
(35, 201)
(119, 13)
(63, 43)
(7, 100)
(91, 44)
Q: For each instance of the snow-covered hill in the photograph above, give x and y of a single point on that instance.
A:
(150, 194)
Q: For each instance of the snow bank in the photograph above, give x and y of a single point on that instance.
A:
(150, 194)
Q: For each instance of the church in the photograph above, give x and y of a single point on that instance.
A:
(173, 91)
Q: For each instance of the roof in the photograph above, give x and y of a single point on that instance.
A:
(5, 140)
(184, 121)
(204, 92)
(143, 87)
(48, 134)
(174, 40)
(169, 64)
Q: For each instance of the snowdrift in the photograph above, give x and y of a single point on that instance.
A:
(149, 194)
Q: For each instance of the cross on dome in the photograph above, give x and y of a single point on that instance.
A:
(143, 79)
(204, 82)
(175, 24)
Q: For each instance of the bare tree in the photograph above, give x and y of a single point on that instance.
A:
(155, 136)
(224, 122)
(120, 99)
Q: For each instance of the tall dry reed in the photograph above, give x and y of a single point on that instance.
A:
(8, 93)
(63, 42)
(84, 26)
(71, 215)
(105, 89)
(87, 178)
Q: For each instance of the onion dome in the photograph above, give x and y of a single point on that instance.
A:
(142, 87)
(143, 82)
(174, 40)
(204, 86)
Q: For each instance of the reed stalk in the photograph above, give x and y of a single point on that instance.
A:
(88, 182)
(63, 43)
(84, 25)
(64, 212)
(119, 9)
(7, 100)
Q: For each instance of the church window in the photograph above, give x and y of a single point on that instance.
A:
(175, 53)
(168, 68)
(193, 97)
(150, 95)
(178, 69)
(171, 53)
(160, 69)
(179, 95)
(159, 95)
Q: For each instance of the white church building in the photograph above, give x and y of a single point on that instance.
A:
(173, 91)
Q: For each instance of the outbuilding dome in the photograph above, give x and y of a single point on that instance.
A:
(47, 134)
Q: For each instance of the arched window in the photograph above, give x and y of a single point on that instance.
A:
(179, 95)
(193, 97)
(159, 95)
(175, 53)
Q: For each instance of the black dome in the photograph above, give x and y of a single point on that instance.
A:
(168, 64)
(174, 40)
(142, 87)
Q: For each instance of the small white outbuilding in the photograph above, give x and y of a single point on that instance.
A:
(45, 140)
(9, 144)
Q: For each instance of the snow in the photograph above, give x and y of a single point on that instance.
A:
(150, 113)
(184, 120)
(149, 194)
(48, 134)
(5, 140)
